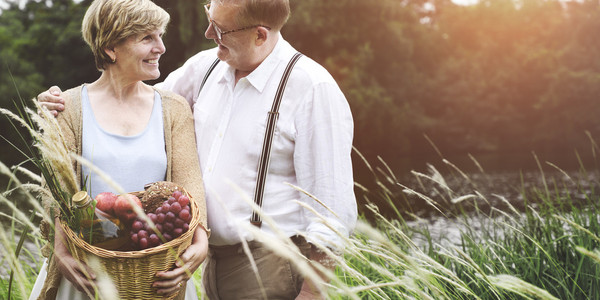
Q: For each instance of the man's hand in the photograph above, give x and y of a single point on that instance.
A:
(310, 289)
(79, 274)
(52, 100)
(170, 281)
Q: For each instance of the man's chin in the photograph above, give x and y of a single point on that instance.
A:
(222, 53)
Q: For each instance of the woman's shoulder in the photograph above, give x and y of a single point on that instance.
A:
(72, 95)
(173, 101)
(72, 102)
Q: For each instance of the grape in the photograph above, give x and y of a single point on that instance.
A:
(147, 227)
(171, 220)
(168, 227)
(184, 215)
(134, 238)
(166, 207)
(184, 200)
(143, 243)
(170, 217)
(175, 208)
(177, 232)
(137, 226)
(153, 239)
(178, 223)
(142, 234)
(177, 194)
(160, 218)
(152, 217)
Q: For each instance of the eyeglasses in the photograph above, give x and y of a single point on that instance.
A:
(220, 33)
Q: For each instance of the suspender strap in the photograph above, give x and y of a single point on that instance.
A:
(265, 156)
(210, 69)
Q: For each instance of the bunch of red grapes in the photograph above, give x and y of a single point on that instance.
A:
(171, 219)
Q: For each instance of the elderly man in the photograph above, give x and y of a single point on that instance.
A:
(310, 148)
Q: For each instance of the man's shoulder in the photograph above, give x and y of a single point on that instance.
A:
(306, 70)
(203, 57)
(309, 75)
(311, 70)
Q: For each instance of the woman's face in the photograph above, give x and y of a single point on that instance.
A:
(137, 57)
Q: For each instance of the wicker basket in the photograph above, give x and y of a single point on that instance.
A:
(133, 272)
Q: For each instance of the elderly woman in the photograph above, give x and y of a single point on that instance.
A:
(133, 132)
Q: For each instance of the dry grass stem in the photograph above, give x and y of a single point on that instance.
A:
(520, 287)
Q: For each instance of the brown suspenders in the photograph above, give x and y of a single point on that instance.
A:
(265, 155)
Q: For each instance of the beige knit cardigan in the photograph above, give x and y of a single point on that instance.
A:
(183, 167)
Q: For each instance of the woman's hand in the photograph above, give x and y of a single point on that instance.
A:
(170, 281)
(78, 273)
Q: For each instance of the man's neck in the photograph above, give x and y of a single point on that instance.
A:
(263, 52)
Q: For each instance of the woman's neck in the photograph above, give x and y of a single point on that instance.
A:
(120, 89)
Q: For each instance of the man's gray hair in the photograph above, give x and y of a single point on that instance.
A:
(272, 13)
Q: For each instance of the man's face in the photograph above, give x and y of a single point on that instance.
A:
(235, 48)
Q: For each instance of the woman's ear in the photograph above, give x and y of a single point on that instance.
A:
(111, 53)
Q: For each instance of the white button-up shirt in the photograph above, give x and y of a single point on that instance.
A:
(311, 146)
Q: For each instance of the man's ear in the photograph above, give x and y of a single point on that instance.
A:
(262, 34)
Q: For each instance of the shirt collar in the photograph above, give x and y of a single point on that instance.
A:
(260, 76)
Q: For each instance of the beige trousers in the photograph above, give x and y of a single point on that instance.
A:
(228, 274)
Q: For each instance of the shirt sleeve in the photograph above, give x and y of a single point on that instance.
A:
(322, 159)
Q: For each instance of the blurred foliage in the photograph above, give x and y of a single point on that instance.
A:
(500, 76)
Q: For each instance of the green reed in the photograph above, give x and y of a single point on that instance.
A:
(544, 247)
(545, 250)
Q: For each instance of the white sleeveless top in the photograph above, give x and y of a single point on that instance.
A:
(130, 161)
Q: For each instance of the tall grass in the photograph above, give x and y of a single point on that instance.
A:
(548, 250)
(543, 246)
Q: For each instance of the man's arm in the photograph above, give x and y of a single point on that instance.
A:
(324, 168)
(323, 164)
(184, 81)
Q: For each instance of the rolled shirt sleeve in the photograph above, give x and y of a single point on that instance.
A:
(322, 159)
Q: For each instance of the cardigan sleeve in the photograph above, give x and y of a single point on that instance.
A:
(185, 166)
(67, 122)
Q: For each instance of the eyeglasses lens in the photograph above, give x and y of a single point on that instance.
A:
(216, 29)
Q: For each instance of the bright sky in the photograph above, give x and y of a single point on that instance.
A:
(465, 2)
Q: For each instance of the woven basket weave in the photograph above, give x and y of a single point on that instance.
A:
(133, 272)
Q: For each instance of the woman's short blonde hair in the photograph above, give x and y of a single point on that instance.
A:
(109, 22)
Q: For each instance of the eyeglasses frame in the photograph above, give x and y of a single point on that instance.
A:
(220, 33)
